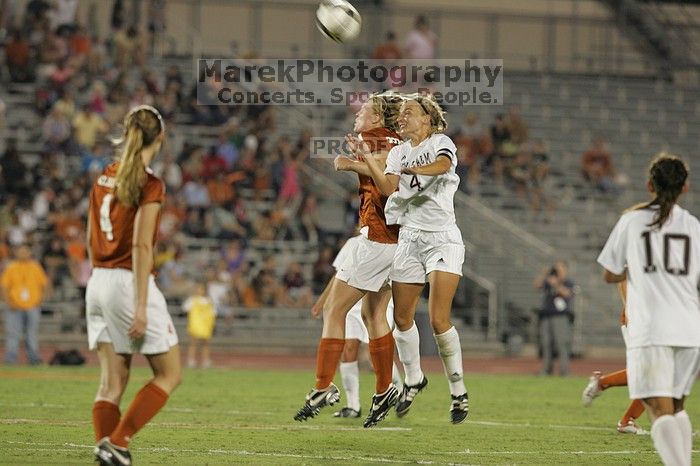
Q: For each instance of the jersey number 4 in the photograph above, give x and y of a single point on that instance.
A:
(649, 266)
(105, 221)
(415, 183)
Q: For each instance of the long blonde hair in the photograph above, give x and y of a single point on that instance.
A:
(142, 125)
(387, 106)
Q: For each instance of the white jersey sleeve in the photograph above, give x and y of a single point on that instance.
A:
(393, 162)
(443, 145)
(612, 257)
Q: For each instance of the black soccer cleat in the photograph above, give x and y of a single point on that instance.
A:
(108, 454)
(348, 412)
(381, 405)
(317, 399)
(408, 393)
(460, 408)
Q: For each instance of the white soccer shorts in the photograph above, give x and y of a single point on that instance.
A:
(109, 300)
(421, 252)
(661, 371)
(367, 268)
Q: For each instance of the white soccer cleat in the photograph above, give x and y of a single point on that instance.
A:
(592, 390)
(630, 428)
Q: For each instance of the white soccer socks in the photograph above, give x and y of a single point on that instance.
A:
(350, 375)
(396, 377)
(451, 353)
(668, 440)
(408, 347)
(686, 429)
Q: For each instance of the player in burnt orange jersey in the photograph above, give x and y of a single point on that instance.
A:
(598, 382)
(126, 313)
(364, 275)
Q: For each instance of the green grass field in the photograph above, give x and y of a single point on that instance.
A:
(244, 417)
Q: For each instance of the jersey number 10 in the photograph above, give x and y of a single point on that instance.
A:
(105, 221)
(649, 266)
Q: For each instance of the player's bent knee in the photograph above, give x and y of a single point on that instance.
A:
(440, 326)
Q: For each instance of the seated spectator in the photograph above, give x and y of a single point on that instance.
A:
(520, 174)
(597, 168)
(308, 214)
(194, 224)
(169, 171)
(421, 41)
(519, 132)
(66, 104)
(212, 163)
(17, 58)
(472, 142)
(268, 290)
(172, 216)
(500, 136)
(221, 192)
(540, 171)
(233, 255)
(195, 194)
(55, 261)
(224, 225)
(227, 150)
(323, 270)
(13, 171)
(89, 127)
(298, 293)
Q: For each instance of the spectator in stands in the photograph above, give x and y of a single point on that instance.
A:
(556, 315)
(172, 216)
(213, 163)
(193, 224)
(388, 50)
(298, 293)
(541, 201)
(24, 287)
(234, 256)
(196, 194)
(597, 168)
(88, 127)
(3, 110)
(308, 215)
(224, 224)
(473, 142)
(55, 261)
(520, 174)
(323, 270)
(500, 136)
(169, 171)
(421, 42)
(17, 58)
(201, 318)
(517, 127)
(14, 172)
(63, 15)
(269, 291)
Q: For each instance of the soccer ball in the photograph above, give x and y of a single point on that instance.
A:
(338, 20)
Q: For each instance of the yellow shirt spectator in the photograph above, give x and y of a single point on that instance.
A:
(201, 316)
(24, 282)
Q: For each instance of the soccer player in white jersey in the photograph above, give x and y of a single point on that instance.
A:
(430, 243)
(655, 246)
(355, 333)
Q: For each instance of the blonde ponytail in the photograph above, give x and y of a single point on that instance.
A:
(143, 125)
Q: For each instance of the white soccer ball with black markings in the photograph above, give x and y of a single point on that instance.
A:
(338, 20)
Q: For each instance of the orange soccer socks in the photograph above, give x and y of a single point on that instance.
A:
(614, 379)
(148, 401)
(635, 409)
(327, 360)
(105, 418)
(381, 350)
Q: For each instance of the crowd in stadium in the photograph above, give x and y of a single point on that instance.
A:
(83, 86)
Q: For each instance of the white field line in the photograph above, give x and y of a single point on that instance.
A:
(183, 425)
(68, 447)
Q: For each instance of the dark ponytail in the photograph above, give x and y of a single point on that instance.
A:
(667, 174)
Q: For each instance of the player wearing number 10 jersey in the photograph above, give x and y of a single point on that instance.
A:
(126, 313)
(656, 247)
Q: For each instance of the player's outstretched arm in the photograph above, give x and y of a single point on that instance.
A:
(387, 183)
(343, 163)
(441, 166)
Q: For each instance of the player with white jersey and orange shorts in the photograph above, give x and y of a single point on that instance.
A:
(655, 246)
(364, 275)
(355, 333)
(126, 313)
(430, 246)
